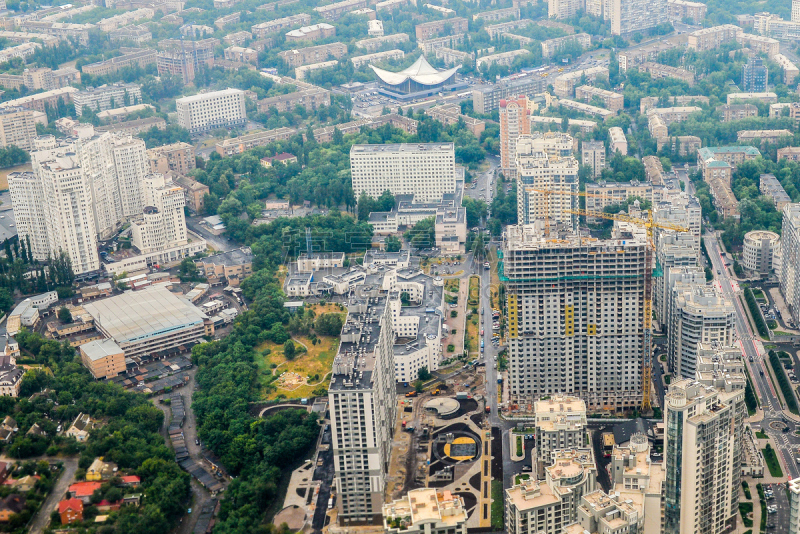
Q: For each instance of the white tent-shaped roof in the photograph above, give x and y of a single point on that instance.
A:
(420, 72)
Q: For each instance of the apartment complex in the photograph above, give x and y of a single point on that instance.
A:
(360, 61)
(273, 26)
(545, 163)
(162, 224)
(735, 112)
(426, 30)
(789, 272)
(426, 511)
(363, 408)
(704, 425)
(658, 71)
(678, 10)
(371, 45)
(208, 111)
(309, 96)
(486, 100)
(712, 38)
(237, 145)
(141, 58)
(560, 423)
(563, 9)
(107, 97)
(770, 187)
(603, 194)
(498, 14)
(177, 157)
(18, 128)
(426, 171)
(698, 314)
(610, 100)
(564, 85)
(576, 317)
(550, 47)
(514, 121)
(323, 30)
(631, 16)
(758, 250)
(313, 54)
(790, 70)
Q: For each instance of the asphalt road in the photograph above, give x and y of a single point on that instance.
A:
(217, 242)
(66, 479)
(756, 360)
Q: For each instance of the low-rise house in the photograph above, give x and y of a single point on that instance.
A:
(84, 490)
(100, 470)
(35, 430)
(80, 428)
(70, 510)
(283, 157)
(234, 265)
(13, 504)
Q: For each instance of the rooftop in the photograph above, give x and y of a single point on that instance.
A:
(95, 350)
(239, 256)
(401, 148)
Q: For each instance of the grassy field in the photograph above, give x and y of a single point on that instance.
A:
(451, 285)
(497, 505)
(474, 292)
(745, 508)
(316, 362)
(771, 459)
(471, 342)
(761, 435)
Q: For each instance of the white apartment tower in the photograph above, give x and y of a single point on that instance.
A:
(795, 11)
(593, 153)
(699, 314)
(545, 163)
(794, 485)
(363, 408)
(564, 9)
(703, 454)
(631, 16)
(162, 224)
(576, 317)
(789, 270)
(672, 251)
(209, 111)
(426, 171)
(515, 120)
(560, 423)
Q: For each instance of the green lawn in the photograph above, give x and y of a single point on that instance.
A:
(763, 526)
(520, 478)
(746, 508)
(520, 448)
(773, 464)
(746, 488)
(498, 519)
(761, 435)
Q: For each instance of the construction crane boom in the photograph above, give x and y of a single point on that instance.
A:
(649, 224)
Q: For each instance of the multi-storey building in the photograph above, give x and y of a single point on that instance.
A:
(107, 97)
(603, 194)
(504, 27)
(545, 163)
(313, 54)
(139, 58)
(759, 44)
(503, 58)
(273, 26)
(589, 109)
(560, 423)
(18, 128)
(451, 114)
(653, 170)
(767, 98)
(790, 70)
(679, 10)
(426, 511)
(177, 157)
(658, 71)
(593, 153)
(651, 102)
(550, 47)
(497, 14)
(237, 38)
(631, 16)
(735, 112)
(241, 54)
(732, 155)
(704, 424)
(136, 34)
(564, 9)
(611, 100)
(337, 9)
(758, 249)
(309, 96)
(426, 30)
(564, 85)
(323, 30)
(371, 45)
(237, 145)
(183, 59)
(360, 61)
(361, 400)
(514, 121)
(162, 224)
(712, 38)
(792, 153)
(207, 111)
(763, 136)
(755, 77)
(617, 142)
(576, 317)
(770, 187)
(699, 314)
(487, 99)
(452, 57)
(789, 272)
(794, 485)
(195, 192)
(426, 171)
(681, 209)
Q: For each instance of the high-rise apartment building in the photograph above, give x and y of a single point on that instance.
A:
(426, 171)
(712, 38)
(363, 407)
(795, 11)
(631, 16)
(208, 111)
(789, 271)
(177, 157)
(755, 76)
(703, 449)
(560, 423)
(575, 317)
(545, 163)
(794, 485)
(564, 9)
(699, 314)
(162, 224)
(514, 121)
(17, 128)
(105, 97)
(679, 264)
(593, 153)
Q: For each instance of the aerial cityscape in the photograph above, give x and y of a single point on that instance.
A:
(394, 267)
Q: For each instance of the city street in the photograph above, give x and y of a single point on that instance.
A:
(756, 361)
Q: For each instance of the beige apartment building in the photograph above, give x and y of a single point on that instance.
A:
(103, 358)
(313, 54)
(177, 157)
(18, 128)
(617, 142)
(237, 145)
(550, 47)
(564, 9)
(323, 30)
(564, 85)
(611, 100)
(309, 96)
(712, 38)
(427, 30)
(735, 112)
(593, 153)
(657, 71)
(677, 10)
(426, 511)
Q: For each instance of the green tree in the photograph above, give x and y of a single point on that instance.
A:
(6, 300)
(423, 234)
(64, 315)
(328, 324)
(289, 350)
(393, 244)
(424, 374)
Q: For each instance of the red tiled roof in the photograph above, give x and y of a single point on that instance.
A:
(131, 479)
(84, 489)
(70, 504)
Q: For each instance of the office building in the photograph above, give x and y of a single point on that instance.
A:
(712, 38)
(560, 423)
(631, 16)
(755, 77)
(208, 111)
(107, 97)
(545, 163)
(576, 317)
(699, 314)
(593, 153)
(758, 249)
(679, 10)
(564, 9)
(704, 423)
(514, 121)
(549, 505)
(426, 171)
(617, 142)
(149, 321)
(103, 358)
(363, 381)
(426, 511)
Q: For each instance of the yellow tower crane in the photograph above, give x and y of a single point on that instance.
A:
(649, 224)
(548, 192)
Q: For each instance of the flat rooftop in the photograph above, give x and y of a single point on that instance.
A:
(239, 256)
(139, 315)
(403, 148)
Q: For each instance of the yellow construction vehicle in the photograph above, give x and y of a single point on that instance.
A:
(649, 224)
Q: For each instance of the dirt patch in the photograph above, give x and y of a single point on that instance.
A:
(293, 516)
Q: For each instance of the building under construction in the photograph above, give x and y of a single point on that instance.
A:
(183, 58)
(576, 316)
